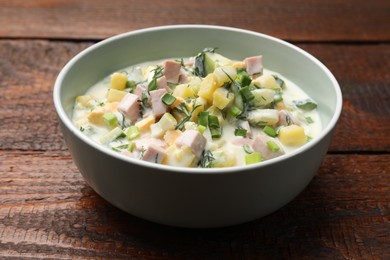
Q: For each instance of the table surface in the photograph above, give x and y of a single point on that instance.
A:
(48, 211)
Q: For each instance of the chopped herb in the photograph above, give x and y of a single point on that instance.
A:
(168, 99)
(240, 132)
(206, 160)
(246, 94)
(309, 120)
(307, 104)
(247, 148)
(157, 72)
(188, 114)
(270, 131)
(308, 138)
(144, 100)
(101, 104)
(82, 129)
(273, 146)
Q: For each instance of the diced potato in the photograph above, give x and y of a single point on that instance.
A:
(238, 64)
(207, 87)
(84, 100)
(180, 156)
(263, 97)
(225, 74)
(118, 81)
(190, 125)
(115, 95)
(292, 135)
(259, 117)
(266, 81)
(184, 91)
(96, 116)
(144, 124)
(223, 158)
(195, 84)
(222, 98)
(171, 136)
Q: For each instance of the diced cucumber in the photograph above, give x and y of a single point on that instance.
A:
(238, 101)
(213, 60)
(260, 117)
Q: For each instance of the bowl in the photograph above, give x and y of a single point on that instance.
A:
(195, 197)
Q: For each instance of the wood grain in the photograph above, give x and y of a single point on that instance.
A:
(47, 210)
(302, 20)
(28, 70)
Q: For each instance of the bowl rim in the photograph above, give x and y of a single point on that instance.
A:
(62, 115)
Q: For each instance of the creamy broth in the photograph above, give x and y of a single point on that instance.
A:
(107, 118)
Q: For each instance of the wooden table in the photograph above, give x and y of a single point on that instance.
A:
(48, 211)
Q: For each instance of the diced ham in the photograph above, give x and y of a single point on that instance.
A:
(192, 139)
(154, 153)
(260, 145)
(183, 77)
(242, 141)
(172, 71)
(130, 107)
(144, 143)
(139, 89)
(158, 107)
(162, 83)
(254, 65)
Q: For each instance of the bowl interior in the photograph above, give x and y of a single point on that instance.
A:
(100, 60)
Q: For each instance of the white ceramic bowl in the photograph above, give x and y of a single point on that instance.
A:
(188, 197)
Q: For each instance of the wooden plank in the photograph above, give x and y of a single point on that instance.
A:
(47, 210)
(303, 20)
(28, 70)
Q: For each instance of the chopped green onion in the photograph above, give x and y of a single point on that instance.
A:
(243, 79)
(168, 99)
(252, 158)
(309, 120)
(110, 119)
(306, 104)
(235, 111)
(247, 148)
(240, 132)
(270, 131)
(131, 84)
(273, 146)
(214, 127)
(112, 135)
(246, 94)
(132, 132)
(203, 118)
(201, 128)
(131, 147)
